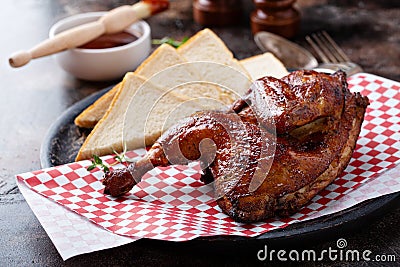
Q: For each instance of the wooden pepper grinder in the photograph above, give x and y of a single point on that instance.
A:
(276, 16)
(217, 12)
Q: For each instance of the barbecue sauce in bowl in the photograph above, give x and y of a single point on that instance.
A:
(110, 41)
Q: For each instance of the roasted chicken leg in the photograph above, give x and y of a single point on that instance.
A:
(271, 152)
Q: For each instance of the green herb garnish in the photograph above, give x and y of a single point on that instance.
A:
(170, 41)
(98, 162)
(121, 157)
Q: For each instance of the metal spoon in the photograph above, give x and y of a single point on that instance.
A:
(291, 54)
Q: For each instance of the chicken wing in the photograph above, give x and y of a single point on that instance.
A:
(271, 152)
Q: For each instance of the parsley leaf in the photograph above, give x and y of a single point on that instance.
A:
(170, 41)
(98, 162)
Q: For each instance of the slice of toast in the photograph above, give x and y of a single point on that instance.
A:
(166, 56)
(108, 134)
(167, 69)
(264, 65)
(163, 57)
(137, 97)
(91, 115)
(205, 46)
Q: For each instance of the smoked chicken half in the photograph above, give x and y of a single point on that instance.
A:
(271, 152)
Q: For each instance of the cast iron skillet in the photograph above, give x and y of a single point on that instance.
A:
(64, 139)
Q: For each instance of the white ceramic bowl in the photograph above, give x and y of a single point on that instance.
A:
(102, 64)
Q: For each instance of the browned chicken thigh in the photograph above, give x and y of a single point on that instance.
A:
(271, 152)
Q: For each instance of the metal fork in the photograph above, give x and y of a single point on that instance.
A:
(331, 54)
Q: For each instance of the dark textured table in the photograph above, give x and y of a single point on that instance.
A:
(35, 95)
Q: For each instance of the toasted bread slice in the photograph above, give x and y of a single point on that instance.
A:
(167, 69)
(264, 65)
(91, 115)
(145, 104)
(163, 57)
(205, 46)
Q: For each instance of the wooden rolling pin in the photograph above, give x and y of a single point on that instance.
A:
(114, 21)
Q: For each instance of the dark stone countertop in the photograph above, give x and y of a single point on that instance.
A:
(35, 95)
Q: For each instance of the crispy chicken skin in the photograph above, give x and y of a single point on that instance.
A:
(272, 152)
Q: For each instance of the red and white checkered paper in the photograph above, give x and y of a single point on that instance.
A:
(71, 233)
(172, 204)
